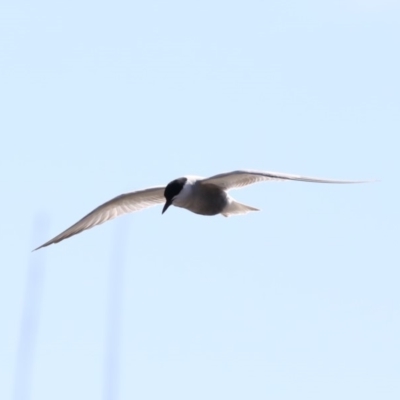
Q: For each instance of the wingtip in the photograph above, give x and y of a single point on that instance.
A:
(43, 245)
(368, 181)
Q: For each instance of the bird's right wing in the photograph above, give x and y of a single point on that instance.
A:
(237, 179)
(123, 204)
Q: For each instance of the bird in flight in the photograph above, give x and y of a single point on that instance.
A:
(204, 196)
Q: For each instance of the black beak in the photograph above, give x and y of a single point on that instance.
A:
(166, 205)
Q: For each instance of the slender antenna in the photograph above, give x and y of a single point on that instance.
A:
(30, 316)
(114, 317)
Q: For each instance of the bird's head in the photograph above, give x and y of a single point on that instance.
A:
(172, 190)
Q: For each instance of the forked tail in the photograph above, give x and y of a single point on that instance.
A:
(235, 208)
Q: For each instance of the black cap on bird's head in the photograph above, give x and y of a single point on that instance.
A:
(172, 190)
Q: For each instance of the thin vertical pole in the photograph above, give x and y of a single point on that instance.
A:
(114, 317)
(30, 317)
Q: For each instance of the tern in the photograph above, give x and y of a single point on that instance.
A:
(204, 196)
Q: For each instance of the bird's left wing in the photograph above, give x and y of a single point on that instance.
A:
(237, 179)
(123, 204)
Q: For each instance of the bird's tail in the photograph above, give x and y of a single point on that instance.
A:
(235, 208)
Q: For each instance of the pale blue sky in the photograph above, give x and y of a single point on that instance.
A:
(299, 301)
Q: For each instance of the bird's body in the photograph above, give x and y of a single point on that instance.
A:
(204, 196)
(202, 199)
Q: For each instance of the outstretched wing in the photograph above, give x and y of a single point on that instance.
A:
(123, 204)
(237, 179)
